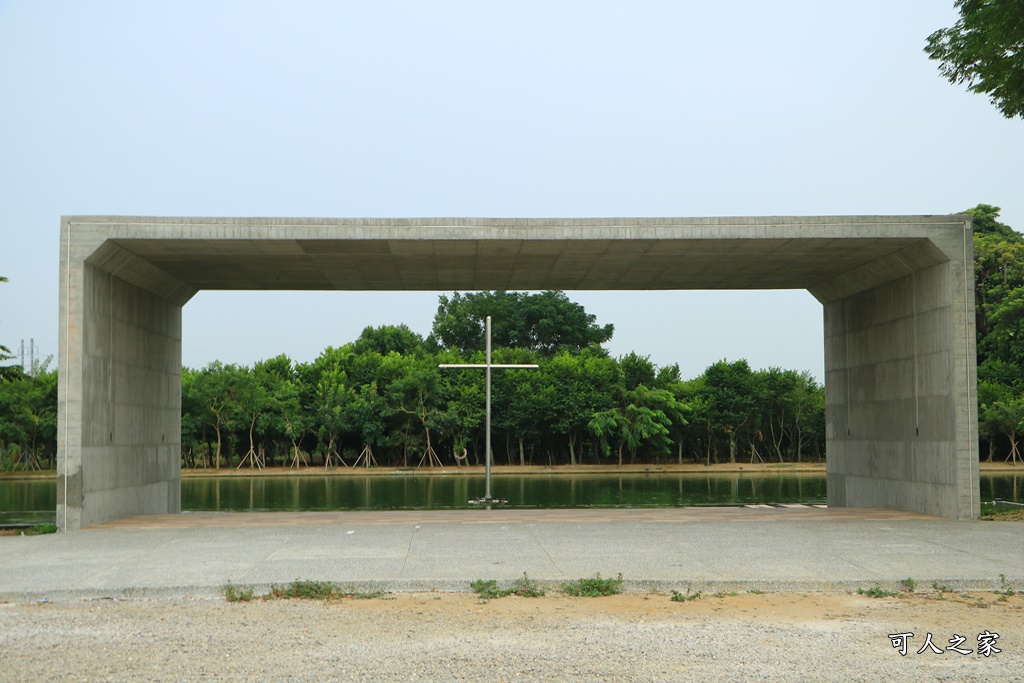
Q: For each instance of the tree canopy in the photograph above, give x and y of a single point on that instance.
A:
(547, 322)
(985, 50)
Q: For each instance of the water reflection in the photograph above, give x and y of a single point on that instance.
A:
(32, 501)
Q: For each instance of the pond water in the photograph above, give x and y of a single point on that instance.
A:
(33, 501)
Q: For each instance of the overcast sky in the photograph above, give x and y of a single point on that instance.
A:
(484, 109)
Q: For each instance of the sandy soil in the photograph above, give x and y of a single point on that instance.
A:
(455, 637)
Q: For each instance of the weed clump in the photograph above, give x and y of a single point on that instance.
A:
(306, 590)
(876, 592)
(300, 590)
(233, 593)
(524, 587)
(684, 597)
(593, 587)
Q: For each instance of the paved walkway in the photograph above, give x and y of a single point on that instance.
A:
(710, 549)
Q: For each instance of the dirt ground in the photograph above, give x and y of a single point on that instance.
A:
(458, 637)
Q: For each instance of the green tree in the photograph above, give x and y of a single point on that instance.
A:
(28, 417)
(547, 322)
(985, 50)
(644, 420)
(1008, 416)
(388, 338)
(332, 393)
(728, 392)
(216, 388)
(520, 400)
(577, 388)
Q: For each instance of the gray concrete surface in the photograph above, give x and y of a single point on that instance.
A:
(693, 556)
(896, 291)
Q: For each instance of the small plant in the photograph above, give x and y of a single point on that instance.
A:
(593, 587)
(1004, 587)
(684, 597)
(909, 584)
(941, 587)
(488, 590)
(307, 590)
(876, 592)
(525, 587)
(723, 594)
(754, 591)
(40, 529)
(233, 593)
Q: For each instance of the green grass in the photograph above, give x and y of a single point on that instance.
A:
(909, 584)
(593, 587)
(876, 592)
(40, 529)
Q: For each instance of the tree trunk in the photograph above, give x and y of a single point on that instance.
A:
(216, 456)
(522, 452)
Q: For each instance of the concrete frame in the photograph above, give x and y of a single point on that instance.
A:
(897, 294)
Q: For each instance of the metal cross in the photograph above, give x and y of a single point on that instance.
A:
(488, 366)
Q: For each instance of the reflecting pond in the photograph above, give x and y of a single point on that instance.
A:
(32, 501)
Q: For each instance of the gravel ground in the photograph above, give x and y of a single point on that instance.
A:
(455, 637)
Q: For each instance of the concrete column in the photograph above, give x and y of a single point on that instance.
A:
(119, 445)
(900, 373)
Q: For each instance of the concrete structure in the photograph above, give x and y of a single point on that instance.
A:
(897, 293)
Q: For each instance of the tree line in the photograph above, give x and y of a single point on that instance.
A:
(999, 317)
(382, 400)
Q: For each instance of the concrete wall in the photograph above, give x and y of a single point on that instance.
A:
(119, 400)
(900, 406)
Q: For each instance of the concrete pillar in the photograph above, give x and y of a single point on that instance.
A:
(119, 441)
(900, 372)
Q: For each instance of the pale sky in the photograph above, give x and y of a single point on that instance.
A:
(483, 109)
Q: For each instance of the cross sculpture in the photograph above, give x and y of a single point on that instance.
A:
(488, 366)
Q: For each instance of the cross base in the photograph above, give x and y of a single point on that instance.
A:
(488, 501)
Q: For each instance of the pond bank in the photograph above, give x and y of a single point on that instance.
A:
(473, 470)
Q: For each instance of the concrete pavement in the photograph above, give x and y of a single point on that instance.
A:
(769, 549)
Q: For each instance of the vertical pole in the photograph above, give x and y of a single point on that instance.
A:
(487, 493)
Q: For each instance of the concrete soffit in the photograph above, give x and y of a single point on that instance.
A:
(899, 246)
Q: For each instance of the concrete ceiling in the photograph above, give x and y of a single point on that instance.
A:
(830, 257)
(510, 264)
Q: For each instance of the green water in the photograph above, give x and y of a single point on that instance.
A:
(32, 501)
